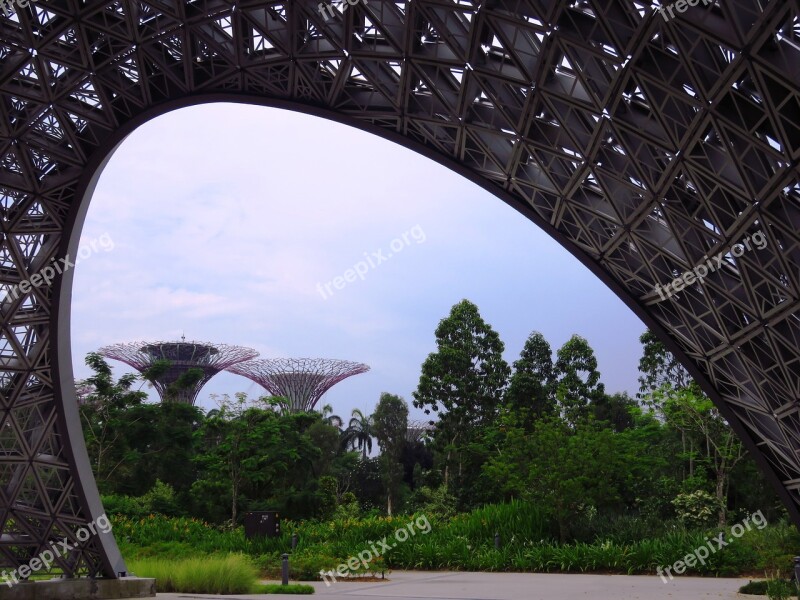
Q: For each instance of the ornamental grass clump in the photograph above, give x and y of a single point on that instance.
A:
(232, 574)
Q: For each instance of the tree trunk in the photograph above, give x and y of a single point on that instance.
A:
(720, 495)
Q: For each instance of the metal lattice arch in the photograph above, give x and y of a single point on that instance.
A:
(300, 381)
(644, 145)
(182, 356)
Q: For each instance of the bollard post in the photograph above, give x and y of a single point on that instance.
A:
(285, 569)
(294, 541)
(797, 572)
(497, 541)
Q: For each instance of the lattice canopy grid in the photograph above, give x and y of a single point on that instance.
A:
(301, 382)
(645, 144)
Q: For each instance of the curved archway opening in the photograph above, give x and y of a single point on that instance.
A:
(246, 243)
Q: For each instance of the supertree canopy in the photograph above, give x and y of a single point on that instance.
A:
(417, 430)
(301, 381)
(181, 368)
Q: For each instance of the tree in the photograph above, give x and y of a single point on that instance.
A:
(578, 380)
(616, 410)
(669, 390)
(390, 423)
(358, 433)
(563, 468)
(103, 411)
(660, 370)
(330, 418)
(531, 389)
(463, 381)
(688, 409)
(658, 366)
(246, 448)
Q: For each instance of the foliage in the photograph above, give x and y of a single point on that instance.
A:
(659, 367)
(463, 382)
(348, 508)
(436, 502)
(780, 589)
(696, 509)
(232, 574)
(754, 588)
(717, 447)
(597, 465)
(390, 423)
(578, 384)
(465, 541)
(531, 391)
(557, 466)
(103, 414)
(358, 434)
(276, 588)
(259, 459)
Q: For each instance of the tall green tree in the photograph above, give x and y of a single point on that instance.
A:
(463, 382)
(531, 391)
(390, 422)
(720, 450)
(659, 367)
(104, 415)
(578, 384)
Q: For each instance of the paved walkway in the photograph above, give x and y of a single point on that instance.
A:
(409, 585)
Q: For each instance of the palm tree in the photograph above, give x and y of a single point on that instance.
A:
(358, 434)
(330, 418)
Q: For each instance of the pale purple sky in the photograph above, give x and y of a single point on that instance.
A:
(225, 218)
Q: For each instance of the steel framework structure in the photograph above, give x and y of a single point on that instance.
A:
(183, 355)
(301, 381)
(643, 144)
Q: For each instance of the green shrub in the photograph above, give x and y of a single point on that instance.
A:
(128, 506)
(697, 508)
(465, 541)
(779, 589)
(232, 574)
(754, 588)
(348, 508)
(276, 588)
(302, 567)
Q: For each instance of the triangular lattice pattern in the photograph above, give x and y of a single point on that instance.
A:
(643, 145)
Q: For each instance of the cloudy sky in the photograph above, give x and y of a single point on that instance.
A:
(226, 221)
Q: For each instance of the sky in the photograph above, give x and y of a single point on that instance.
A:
(230, 224)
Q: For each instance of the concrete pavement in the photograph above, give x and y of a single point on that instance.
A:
(418, 585)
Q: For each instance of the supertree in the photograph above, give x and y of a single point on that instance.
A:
(417, 430)
(301, 381)
(181, 368)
